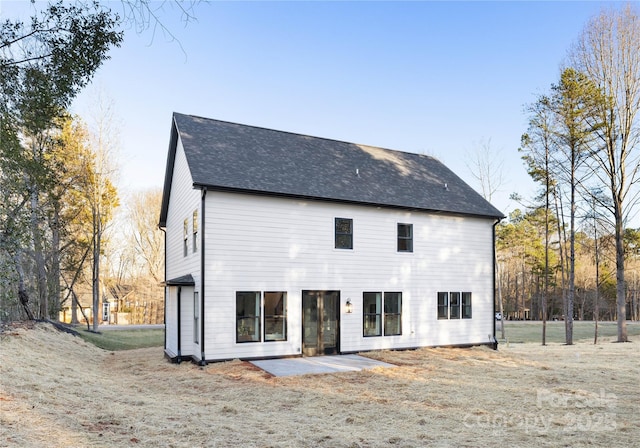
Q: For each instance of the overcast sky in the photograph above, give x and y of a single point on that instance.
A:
(434, 77)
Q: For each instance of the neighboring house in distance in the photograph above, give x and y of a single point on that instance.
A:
(279, 244)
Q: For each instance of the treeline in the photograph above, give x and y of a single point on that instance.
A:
(521, 258)
(55, 197)
(58, 196)
(570, 255)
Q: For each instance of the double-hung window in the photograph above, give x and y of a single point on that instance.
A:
(185, 237)
(405, 237)
(195, 231)
(248, 316)
(466, 305)
(392, 313)
(196, 317)
(443, 305)
(343, 233)
(275, 316)
(372, 305)
(454, 305)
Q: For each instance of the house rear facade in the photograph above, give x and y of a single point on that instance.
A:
(279, 244)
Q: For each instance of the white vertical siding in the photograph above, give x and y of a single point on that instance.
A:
(182, 202)
(258, 243)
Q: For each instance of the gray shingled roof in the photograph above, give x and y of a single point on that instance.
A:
(184, 280)
(235, 157)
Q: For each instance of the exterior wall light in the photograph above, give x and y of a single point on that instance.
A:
(349, 306)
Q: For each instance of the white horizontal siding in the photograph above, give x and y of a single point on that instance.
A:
(183, 201)
(278, 244)
(188, 347)
(171, 321)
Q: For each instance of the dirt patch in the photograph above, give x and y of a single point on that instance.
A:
(56, 390)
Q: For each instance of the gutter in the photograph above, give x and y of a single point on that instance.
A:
(303, 197)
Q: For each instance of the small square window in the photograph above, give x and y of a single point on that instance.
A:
(344, 233)
(405, 237)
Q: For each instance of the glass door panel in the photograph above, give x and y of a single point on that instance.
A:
(320, 322)
(330, 322)
(309, 323)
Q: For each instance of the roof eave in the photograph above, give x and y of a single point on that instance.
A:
(211, 187)
(168, 176)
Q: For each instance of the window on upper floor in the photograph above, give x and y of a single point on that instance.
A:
(405, 237)
(195, 231)
(343, 233)
(185, 237)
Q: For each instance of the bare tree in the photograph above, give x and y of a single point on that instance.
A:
(148, 240)
(486, 166)
(101, 191)
(608, 51)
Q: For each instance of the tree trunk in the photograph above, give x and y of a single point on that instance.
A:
(596, 308)
(55, 264)
(545, 294)
(621, 286)
(74, 309)
(561, 241)
(23, 295)
(572, 254)
(96, 280)
(38, 255)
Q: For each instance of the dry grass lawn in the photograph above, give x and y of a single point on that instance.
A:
(58, 391)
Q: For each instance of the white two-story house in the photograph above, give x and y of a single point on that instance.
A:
(280, 244)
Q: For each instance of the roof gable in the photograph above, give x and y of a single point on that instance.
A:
(235, 157)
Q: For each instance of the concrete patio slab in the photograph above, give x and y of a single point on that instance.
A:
(318, 364)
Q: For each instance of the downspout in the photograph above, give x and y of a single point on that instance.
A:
(166, 301)
(494, 256)
(179, 299)
(203, 232)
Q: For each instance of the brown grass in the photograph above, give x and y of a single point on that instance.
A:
(58, 391)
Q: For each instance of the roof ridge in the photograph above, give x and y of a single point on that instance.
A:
(310, 136)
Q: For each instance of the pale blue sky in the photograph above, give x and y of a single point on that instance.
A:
(422, 76)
